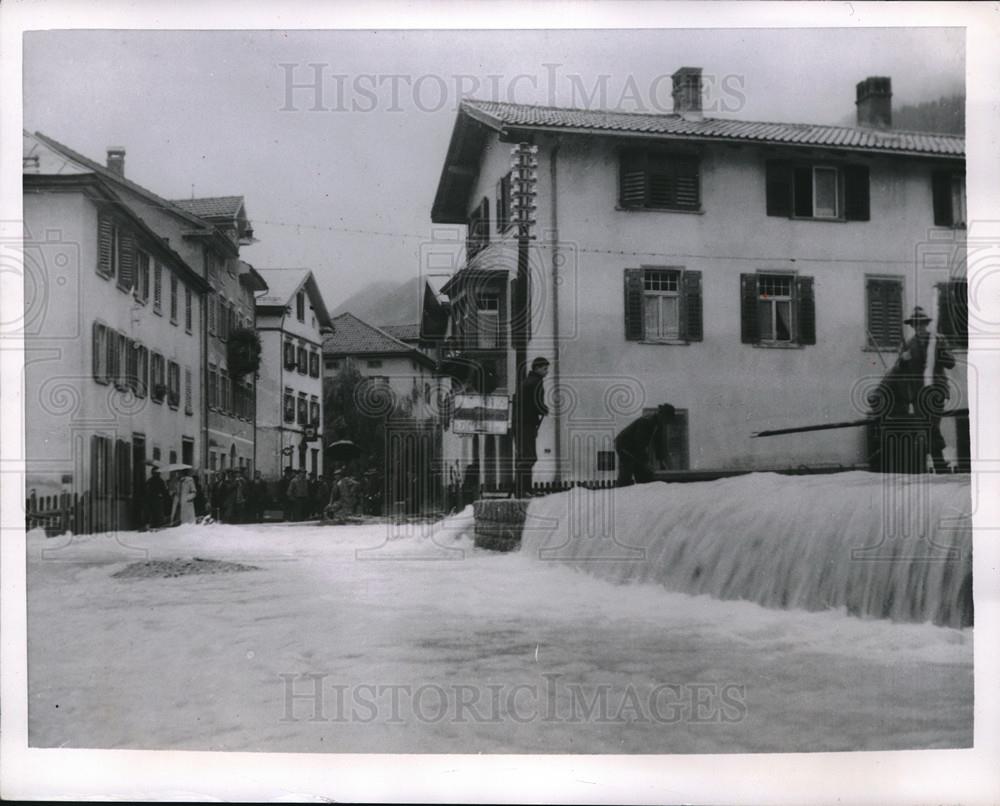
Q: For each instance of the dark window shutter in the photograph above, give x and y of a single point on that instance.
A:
(885, 312)
(633, 305)
(803, 182)
(96, 349)
(941, 189)
(749, 330)
(686, 188)
(95, 487)
(105, 236)
(856, 193)
(807, 310)
(779, 189)
(126, 260)
(692, 306)
(633, 180)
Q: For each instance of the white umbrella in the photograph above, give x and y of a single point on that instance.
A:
(175, 466)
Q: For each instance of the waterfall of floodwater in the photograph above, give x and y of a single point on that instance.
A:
(883, 546)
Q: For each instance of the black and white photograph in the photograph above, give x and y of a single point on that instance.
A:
(494, 390)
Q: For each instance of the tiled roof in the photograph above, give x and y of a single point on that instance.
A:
(283, 284)
(352, 336)
(669, 125)
(227, 207)
(403, 332)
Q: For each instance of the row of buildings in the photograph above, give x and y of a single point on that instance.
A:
(753, 275)
(142, 331)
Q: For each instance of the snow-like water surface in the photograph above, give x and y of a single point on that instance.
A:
(419, 643)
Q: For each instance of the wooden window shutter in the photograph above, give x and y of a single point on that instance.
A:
(95, 465)
(105, 244)
(806, 310)
(691, 306)
(633, 305)
(857, 206)
(802, 183)
(632, 179)
(885, 312)
(686, 186)
(126, 260)
(941, 189)
(779, 189)
(749, 329)
(97, 348)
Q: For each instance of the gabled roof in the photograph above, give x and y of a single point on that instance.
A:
(478, 120)
(403, 332)
(213, 207)
(284, 284)
(353, 336)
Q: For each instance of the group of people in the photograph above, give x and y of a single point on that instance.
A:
(342, 495)
(169, 502)
(915, 390)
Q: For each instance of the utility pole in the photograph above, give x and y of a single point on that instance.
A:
(524, 182)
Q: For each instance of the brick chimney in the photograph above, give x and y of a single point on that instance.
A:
(687, 93)
(116, 159)
(875, 102)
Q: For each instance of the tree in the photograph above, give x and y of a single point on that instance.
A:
(243, 352)
(358, 409)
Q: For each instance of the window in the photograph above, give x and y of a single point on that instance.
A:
(290, 355)
(212, 304)
(303, 360)
(158, 288)
(953, 313)
(224, 392)
(188, 391)
(479, 229)
(948, 189)
(659, 181)
(131, 365)
(141, 277)
(314, 363)
(173, 457)
(118, 358)
(187, 450)
(157, 381)
(173, 384)
(504, 200)
(314, 410)
(374, 363)
(663, 305)
(487, 327)
(289, 405)
(777, 309)
(300, 306)
(142, 366)
(333, 364)
(303, 412)
(213, 387)
(805, 190)
(223, 324)
(211, 266)
(115, 252)
(173, 298)
(884, 312)
(100, 352)
(188, 306)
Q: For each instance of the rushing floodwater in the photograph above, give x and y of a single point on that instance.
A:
(872, 545)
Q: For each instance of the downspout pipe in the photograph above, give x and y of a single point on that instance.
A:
(556, 280)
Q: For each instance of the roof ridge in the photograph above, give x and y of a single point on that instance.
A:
(107, 173)
(672, 115)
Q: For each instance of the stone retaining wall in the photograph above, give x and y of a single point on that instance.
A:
(499, 523)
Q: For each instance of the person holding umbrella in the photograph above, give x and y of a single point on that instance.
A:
(186, 493)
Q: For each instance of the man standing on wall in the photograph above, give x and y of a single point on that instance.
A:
(633, 445)
(529, 410)
(927, 400)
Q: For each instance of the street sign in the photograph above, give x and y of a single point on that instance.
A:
(481, 414)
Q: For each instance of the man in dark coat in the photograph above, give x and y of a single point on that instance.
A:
(633, 444)
(156, 496)
(926, 400)
(529, 410)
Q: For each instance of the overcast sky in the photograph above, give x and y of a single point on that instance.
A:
(213, 111)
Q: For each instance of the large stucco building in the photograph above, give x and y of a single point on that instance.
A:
(291, 321)
(754, 275)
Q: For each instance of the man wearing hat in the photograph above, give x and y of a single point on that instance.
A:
(633, 445)
(926, 400)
